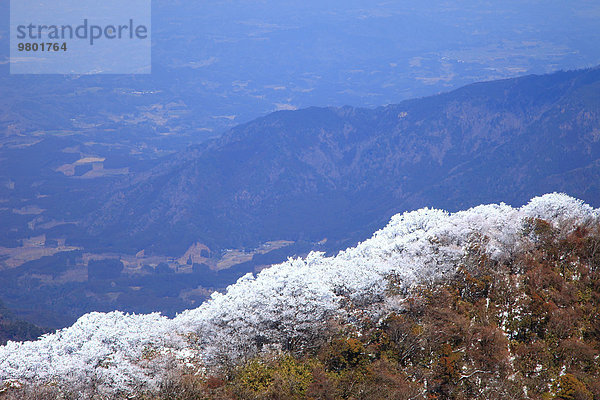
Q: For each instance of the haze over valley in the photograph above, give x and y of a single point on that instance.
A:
(270, 129)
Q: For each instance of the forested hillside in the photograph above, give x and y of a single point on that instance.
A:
(107, 233)
(492, 302)
(340, 173)
(13, 328)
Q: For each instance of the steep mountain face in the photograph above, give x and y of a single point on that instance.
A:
(337, 173)
(287, 306)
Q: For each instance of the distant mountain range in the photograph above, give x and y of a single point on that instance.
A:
(90, 225)
(338, 173)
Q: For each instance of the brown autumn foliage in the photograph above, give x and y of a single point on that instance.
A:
(524, 328)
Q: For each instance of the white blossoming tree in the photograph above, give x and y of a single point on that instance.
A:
(285, 306)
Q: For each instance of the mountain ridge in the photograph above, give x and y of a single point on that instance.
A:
(364, 165)
(286, 306)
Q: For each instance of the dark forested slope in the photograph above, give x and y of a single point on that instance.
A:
(339, 173)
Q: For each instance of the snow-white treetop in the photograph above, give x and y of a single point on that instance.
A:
(284, 305)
